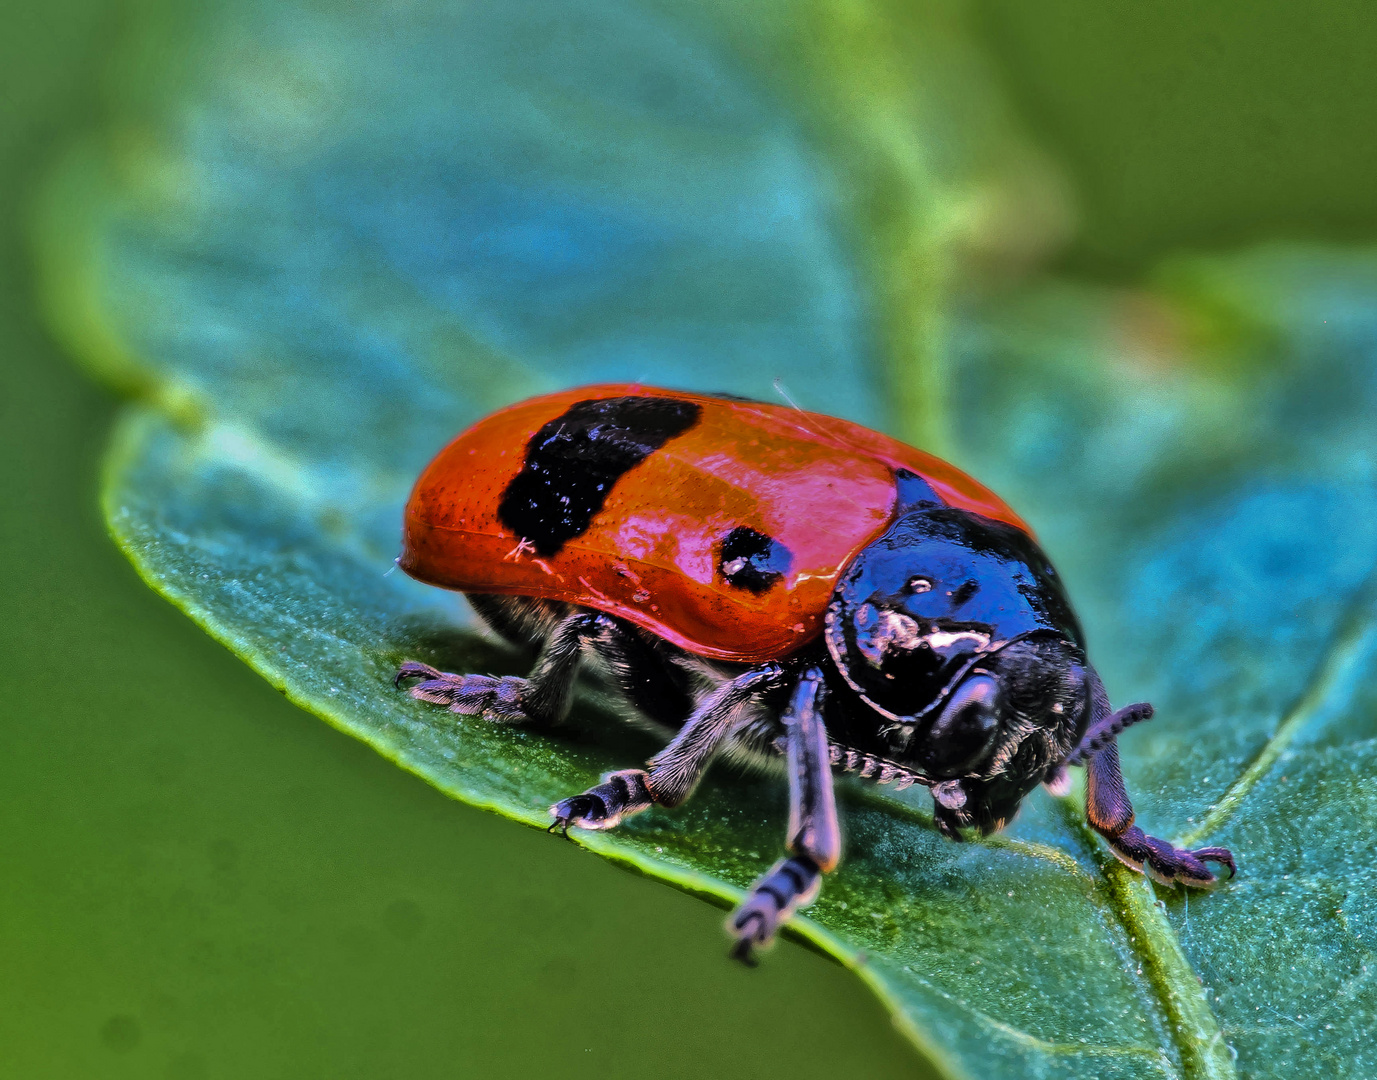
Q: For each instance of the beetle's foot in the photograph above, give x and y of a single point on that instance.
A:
(950, 823)
(951, 815)
(498, 700)
(1166, 864)
(620, 795)
(791, 883)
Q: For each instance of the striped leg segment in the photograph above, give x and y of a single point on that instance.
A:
(814, 840)
(791, 883)
(620, 795)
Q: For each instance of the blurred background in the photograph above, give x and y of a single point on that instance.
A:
(202, 880)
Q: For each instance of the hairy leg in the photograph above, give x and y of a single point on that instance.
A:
(642, 668)
(814, 839)
(671, 774)
(543, 697)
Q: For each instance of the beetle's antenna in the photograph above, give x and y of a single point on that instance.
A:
(1103, 731)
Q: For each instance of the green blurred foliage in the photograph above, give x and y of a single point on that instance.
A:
(1197, 128)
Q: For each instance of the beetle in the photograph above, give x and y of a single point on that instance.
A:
(767, 582)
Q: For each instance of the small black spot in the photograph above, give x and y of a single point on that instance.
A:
(573, 462)
(752, 560)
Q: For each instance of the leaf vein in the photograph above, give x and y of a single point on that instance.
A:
(1351, 641)
(1169, 976)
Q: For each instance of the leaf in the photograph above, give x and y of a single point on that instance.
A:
(335, 234)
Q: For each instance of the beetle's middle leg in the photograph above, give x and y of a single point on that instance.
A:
(672, 774)
(814, 840)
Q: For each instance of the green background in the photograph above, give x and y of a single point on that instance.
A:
(202, 880)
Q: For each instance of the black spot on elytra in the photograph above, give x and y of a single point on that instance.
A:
(574, 460)
(752, 560)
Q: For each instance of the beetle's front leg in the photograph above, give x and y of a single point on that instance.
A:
(673, 773)
(814, 840)
(1111, 815)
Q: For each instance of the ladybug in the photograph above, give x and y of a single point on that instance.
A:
(765, 582)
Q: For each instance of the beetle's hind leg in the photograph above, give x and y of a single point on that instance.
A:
(672, 774)
(543, 697)
(814, 840)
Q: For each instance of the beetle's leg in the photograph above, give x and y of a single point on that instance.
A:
(672, 773)
(642, 669)
(814, 840)
(1111, 815)
(542, 697)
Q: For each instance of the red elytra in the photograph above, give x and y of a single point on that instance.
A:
(821, 486)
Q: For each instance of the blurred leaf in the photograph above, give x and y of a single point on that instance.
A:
(320, 240)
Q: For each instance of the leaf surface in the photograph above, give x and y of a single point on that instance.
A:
(337, 234)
